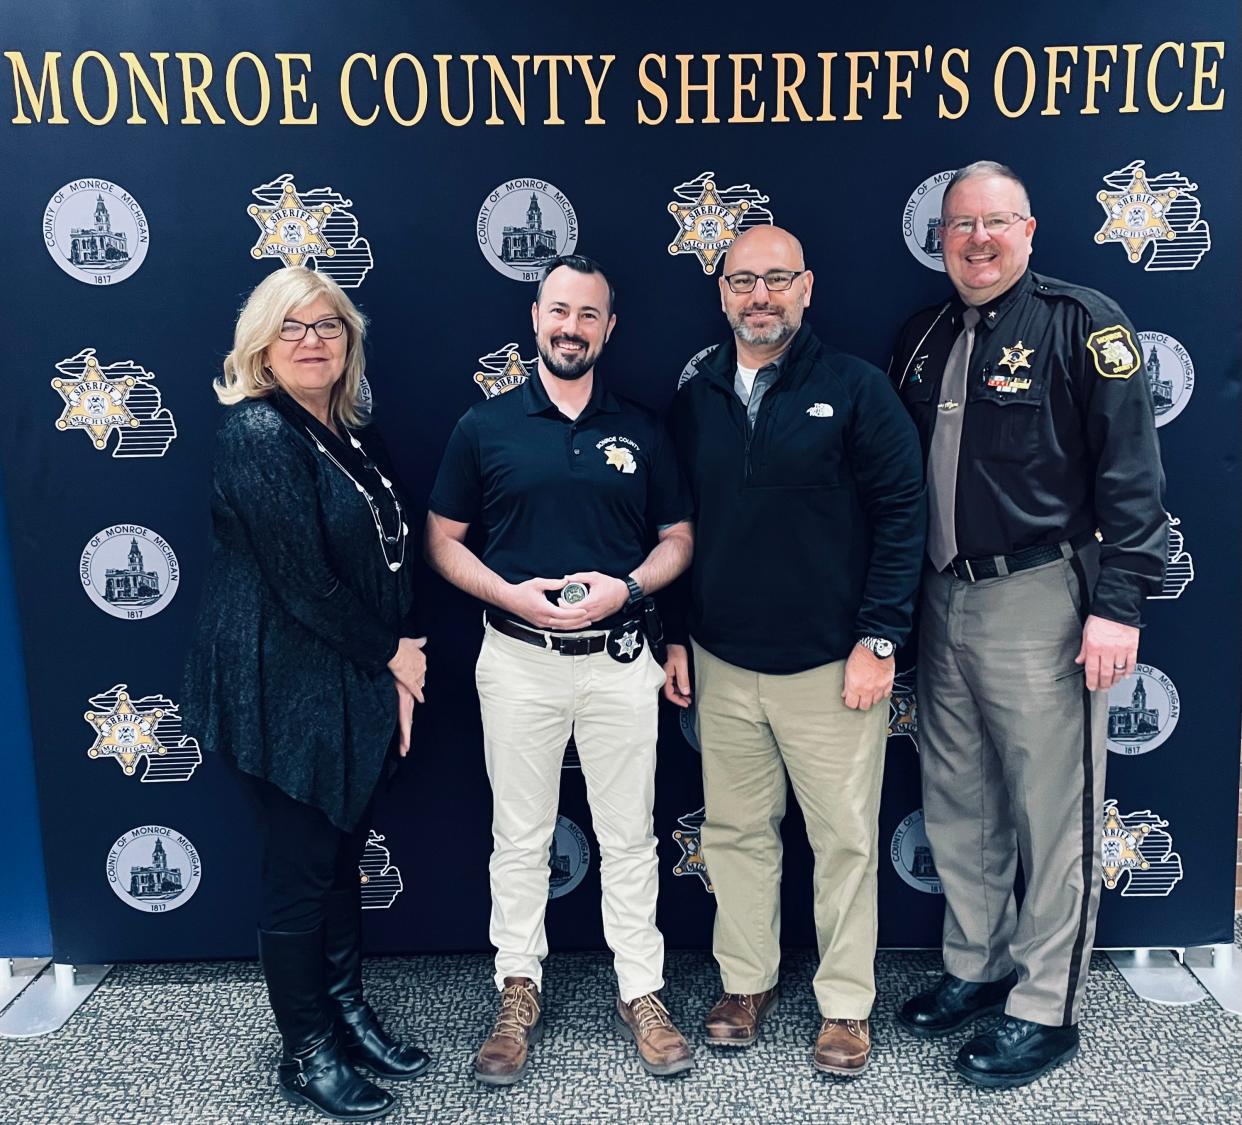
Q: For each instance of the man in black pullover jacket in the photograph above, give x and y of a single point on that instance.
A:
(810, 522)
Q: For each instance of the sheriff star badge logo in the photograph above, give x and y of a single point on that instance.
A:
(1136, 215)
(290, 230)
(125, 733)
(95, 403)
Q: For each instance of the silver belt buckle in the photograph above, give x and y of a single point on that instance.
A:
(970, 573)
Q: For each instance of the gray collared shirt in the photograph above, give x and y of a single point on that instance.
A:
(764, 378)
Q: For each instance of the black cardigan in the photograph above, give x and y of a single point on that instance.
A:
(287, 672)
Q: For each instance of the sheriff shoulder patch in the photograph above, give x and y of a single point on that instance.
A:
(1115, 352)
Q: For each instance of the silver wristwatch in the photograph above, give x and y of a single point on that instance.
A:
(880, 647)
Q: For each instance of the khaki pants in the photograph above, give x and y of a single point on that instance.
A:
(1013, 750)
(531, 699)
(754, 729)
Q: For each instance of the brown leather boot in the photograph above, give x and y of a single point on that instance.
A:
(735, 1018)
(662, 1049)
(518, 1026)
(843, 1047)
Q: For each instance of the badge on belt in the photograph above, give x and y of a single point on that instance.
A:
(625, 643)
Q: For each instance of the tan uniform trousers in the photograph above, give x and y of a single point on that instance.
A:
(531, 699)
(1013, 750)
(755, 729)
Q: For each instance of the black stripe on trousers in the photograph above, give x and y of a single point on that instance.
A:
(1088, 815)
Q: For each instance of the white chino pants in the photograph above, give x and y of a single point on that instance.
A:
(531, 700)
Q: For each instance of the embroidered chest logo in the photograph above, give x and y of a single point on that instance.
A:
(819, 410)
(619, 453)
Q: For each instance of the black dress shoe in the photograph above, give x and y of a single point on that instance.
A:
(1016, 1052)
(952, 1003)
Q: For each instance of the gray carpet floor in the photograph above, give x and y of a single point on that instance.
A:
(172, 1043)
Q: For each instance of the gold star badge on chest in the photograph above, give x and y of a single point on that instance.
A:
(1015, 356)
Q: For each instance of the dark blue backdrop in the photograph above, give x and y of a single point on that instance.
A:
(442, 312)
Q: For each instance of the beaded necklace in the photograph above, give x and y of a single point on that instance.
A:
(386, 540)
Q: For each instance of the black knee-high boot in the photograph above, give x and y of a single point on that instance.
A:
(366, 1042)
(313, 1066)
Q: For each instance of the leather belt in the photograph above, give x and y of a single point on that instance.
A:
(1001, 566)
(565, 645)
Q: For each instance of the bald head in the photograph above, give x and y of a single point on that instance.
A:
(767, 240)
(764, 319)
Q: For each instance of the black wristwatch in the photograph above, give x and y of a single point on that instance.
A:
(880, 647)
(636, 592)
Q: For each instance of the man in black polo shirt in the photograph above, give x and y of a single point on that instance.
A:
(572, 483)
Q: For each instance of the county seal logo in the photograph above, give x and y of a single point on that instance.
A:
(1142, 711)
(95, 231)
(119, 398)
(911, 855)
(1161, 212)
(692, 365)
(131, 730)
(502, 370)
(312, 228)
(1179, 571)
(153, 869)
(689, 839)
(523, 224)
(129, 571)
(1137, 854)
(569, 858)
(920, 220)
(709, 217)
(379, 877)
(1170, 374)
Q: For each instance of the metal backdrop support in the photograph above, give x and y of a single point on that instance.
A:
(16, 973)
(1219, 969)
(46, 1002)
(1158, 975)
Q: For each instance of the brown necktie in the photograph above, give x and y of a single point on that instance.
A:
(946, 444)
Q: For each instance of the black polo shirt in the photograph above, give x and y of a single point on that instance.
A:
(556, 495)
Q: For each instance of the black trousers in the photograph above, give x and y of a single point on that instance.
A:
(305, 857)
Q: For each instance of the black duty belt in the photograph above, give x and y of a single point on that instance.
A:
(566, 646)
(1001, 566)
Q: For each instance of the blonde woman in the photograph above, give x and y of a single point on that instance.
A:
(300, 673)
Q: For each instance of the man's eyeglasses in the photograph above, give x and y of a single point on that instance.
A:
(329, 328)
(775, 281)
(962, 226)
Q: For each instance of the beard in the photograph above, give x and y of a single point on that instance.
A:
(563, 368)
(775, 333)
